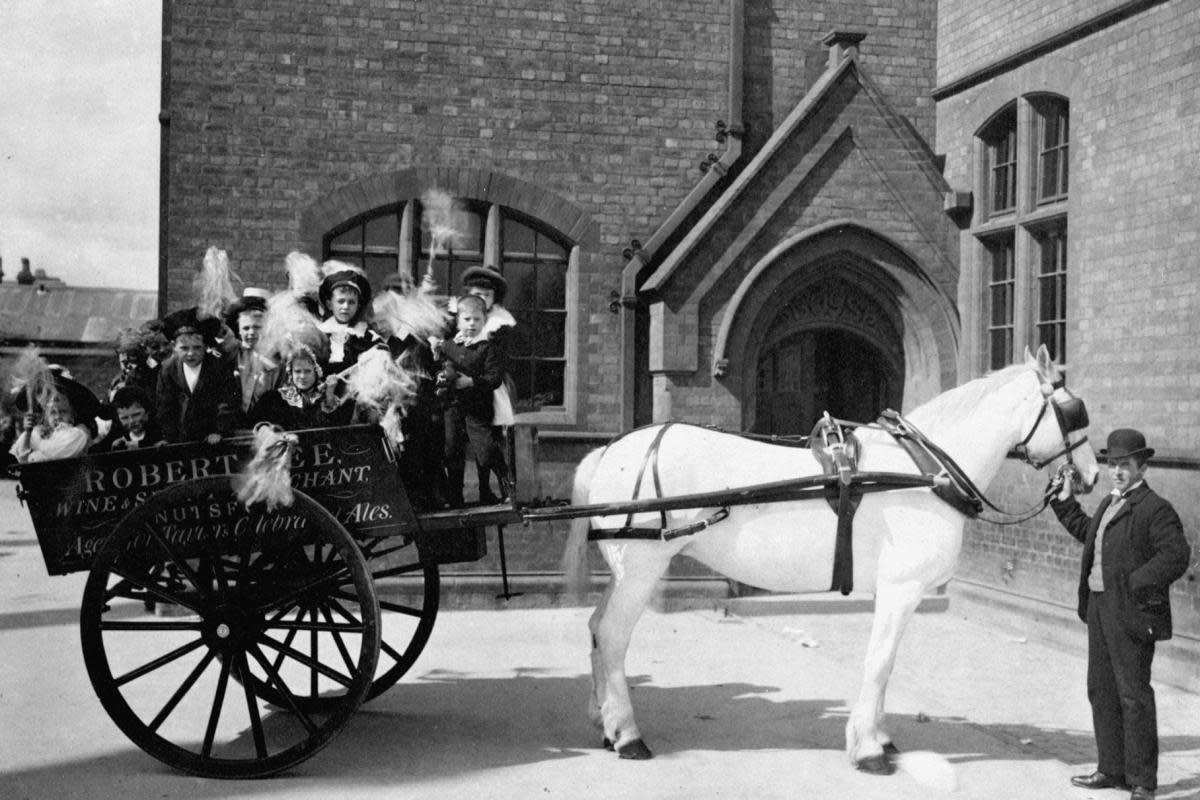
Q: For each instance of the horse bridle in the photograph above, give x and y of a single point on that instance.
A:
(1071, 416)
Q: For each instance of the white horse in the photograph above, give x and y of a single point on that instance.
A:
(905, 541)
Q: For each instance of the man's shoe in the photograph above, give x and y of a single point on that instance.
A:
(1098, 780)
(1142, 793)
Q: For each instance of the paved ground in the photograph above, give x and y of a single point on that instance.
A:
(733, 707)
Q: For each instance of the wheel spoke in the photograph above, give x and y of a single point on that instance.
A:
(288, 698)
(315, 586)
(183, 689)
(337, 639)
(158, 590)
(311, 663)
(150, 625)
(314, 649)
(256, 726)
(215, 715)
(329, 627)
(161, 661)
(181, 564)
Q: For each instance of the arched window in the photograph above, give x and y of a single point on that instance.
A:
(1001, 140)
(1021, 230)
(533, 257)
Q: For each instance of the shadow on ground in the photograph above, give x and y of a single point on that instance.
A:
(451, 724)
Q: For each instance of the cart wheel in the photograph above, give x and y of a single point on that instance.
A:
(406, 617)
(242, 599)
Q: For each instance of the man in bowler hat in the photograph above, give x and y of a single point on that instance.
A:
(1133, 549)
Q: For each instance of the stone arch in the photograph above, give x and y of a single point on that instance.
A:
(378, 191)
(840, 275)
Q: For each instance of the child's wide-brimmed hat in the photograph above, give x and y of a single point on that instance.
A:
(341, 274)
(84, 404)
(487, 278)
(187, 320)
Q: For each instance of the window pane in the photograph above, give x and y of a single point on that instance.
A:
(1000, 302)
(548, 382)
(549, 334)
(547, 248)
(351, 239)
(470, 239)
(522, 288)
(383, 231)
(521, 372)
(520, 339)
(552, 286)
(378, 268)
(518, 238)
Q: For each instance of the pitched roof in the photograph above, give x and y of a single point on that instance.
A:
(58, 313)
(920, 161)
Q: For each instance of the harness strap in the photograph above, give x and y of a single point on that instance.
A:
(843, 550)
(951, 484)
(650, 458)
(666, 535)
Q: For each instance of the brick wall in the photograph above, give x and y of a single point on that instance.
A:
(1133, 302)
(974, 33)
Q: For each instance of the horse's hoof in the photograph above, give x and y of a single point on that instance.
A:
(890, 749)
(608, 744)
(876, 765)
(635, 751)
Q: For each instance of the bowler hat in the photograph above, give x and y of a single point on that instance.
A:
(1126, 442)
(488, 278)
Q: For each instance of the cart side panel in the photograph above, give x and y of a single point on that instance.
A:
(75, 503)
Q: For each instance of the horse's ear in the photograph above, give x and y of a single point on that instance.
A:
(1030, 361)
(1045, 364)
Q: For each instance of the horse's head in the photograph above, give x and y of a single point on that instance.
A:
(1058, 434)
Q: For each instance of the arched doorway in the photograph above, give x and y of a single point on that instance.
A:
(809, 372)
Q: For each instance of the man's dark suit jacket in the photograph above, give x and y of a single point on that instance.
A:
(1145, 550)
(213, 406)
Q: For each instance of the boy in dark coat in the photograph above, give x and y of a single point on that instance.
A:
(472, 370)
(198, 395)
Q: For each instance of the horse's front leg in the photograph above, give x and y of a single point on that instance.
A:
(636, 568)
(867, 745)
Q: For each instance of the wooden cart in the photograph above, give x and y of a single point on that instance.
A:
(235, 642)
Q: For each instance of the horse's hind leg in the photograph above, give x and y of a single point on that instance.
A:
(866, 742)
(596, 698)
(636, 568)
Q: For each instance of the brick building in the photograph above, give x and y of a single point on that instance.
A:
(1067, 134)
(735, 212)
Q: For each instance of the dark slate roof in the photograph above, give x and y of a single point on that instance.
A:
(71, 314)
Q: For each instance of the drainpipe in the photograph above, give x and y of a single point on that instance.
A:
(164, 149)
(639, 254)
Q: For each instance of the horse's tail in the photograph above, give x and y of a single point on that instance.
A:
(576, 573)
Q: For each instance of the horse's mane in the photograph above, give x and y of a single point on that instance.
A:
(961, 401)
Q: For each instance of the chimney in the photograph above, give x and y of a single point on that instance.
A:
(842, 45)
(25, 276)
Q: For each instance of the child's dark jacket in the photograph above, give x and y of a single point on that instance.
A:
(212, 407)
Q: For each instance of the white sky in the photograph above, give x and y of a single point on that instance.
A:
(79, 98)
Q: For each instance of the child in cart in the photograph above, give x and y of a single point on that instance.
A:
(490, 286)
(472, 369)
(301, 401)
(134, 427)
(64, 429)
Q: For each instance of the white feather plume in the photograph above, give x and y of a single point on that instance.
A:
(287, 326)
(304, 273)
(267, 478)
(214, 284)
